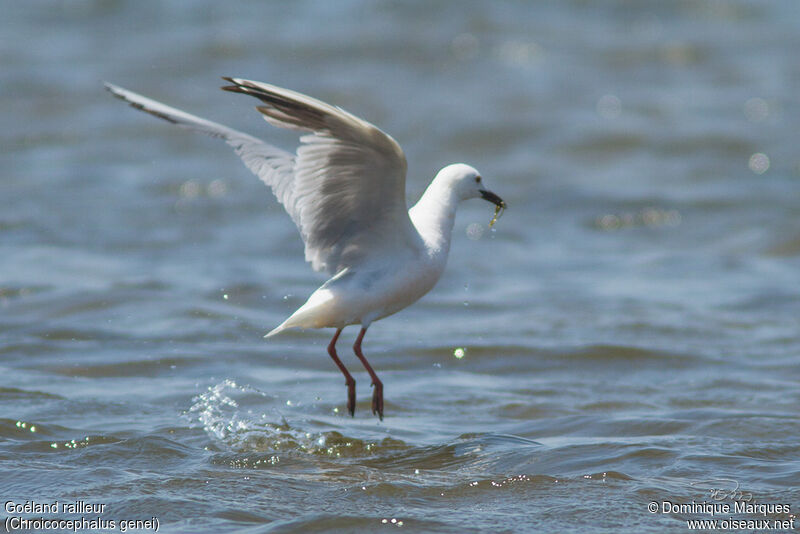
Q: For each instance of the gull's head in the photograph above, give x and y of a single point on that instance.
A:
(467, 183)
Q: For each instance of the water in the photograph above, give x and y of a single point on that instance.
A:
(626, 333)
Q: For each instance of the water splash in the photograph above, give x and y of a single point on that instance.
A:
(217, 411)
(220, 412)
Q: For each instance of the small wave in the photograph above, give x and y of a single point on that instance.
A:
(621, 352)
(9, 393)
(30, 436)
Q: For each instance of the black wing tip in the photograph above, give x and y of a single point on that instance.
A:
(246, 87)
(237, 87)
(275, 101)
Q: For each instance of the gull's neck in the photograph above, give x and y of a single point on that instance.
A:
(434, 215)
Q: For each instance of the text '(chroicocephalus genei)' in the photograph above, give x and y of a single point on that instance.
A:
(344, 188)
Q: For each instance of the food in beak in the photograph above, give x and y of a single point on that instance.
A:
(499, 205)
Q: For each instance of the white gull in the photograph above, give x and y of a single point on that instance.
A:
(345, 190)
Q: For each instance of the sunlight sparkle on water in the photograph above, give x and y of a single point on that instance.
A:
(23, 425)
(759, 163)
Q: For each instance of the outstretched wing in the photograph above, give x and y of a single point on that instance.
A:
(273, 165)
(345, 186)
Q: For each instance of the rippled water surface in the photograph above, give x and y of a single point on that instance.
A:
(627, 333)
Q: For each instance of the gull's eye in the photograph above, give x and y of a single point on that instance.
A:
(477, 179)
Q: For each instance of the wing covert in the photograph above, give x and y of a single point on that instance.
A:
(348, 189)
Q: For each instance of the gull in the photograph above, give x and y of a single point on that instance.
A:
(344, 188)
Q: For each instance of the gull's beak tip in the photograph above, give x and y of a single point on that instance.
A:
(493, 198)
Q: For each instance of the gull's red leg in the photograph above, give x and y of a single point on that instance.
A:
(377, 393)
(351, 384)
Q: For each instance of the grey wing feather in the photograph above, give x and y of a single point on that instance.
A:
(349, 178)
(345, 186)
(273, 165)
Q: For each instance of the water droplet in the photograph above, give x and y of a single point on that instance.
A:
(475, 231)
(189, 189)
(216, 188)
(759, 163)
